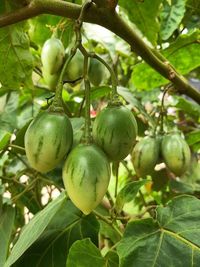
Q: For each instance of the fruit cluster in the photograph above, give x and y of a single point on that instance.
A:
(86, 171)
(49, 138)
(53, 55)
(172, 149)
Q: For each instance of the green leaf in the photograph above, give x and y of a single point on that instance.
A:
(128, 193)
(193, 137)
(185, 59)
(171, 17)
(188, 107)
(8, 5)
(192, 15)
(50, 234)
(16, 61)
(8, 116)
(184, 40)
(183, 187)
(134, 102)
(160, 179)
(6, 224)
(145, 78)
(32, 231)
(183, 54)
(144, 15)
(39, 29)
(19, 141)
(108, 231)
(112, 259)
(84, 253)
(172, 239)
(5, 141)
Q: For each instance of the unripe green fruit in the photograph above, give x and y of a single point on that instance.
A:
(86, 176)
(51, 79)
(115, 131)
(75, 67)
(47, 140)
(145, 156)
(96, 72)
(176, 153)
(52, 55)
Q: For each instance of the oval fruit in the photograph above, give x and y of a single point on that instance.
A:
(50, 79)
(52, 55)
(96, 72)
(75, 67)
(115, 131)
(176, 153)
(145, 156)
(47, 140)
(86, 176)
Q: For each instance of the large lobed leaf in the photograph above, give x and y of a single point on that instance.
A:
(173, 239)
(144, 15)
(45, 241)
(183, 54)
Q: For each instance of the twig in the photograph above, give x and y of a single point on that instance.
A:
(103, 218)
(21, 159)
(110, 199)
(24, 191)
(74, 81)
(17, 147)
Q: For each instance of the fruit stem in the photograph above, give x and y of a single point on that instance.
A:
(79, 22)
(116, 166)
(103, 218)
(57, 103)
(114, 95)
(160, 120)
(162, 110)
(87, 130)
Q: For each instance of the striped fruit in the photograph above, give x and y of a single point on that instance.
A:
(86, 176)
(115, 130)
(52, 55)
(47, 140)
(176, 153)
(145, 156)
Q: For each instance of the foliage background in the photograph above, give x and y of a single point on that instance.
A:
(160, 214)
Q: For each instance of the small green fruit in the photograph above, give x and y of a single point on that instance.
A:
(176, 153)
(145, 156)
(52, 55)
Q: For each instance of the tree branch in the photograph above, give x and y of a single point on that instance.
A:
(112, 21)
(110, 4)
(20, 15)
